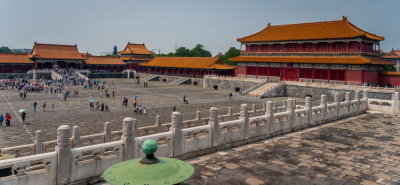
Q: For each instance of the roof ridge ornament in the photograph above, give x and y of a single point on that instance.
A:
(344, 18)
(269, 24)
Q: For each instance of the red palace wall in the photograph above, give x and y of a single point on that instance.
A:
(354, 76)
(371, 77)
(389, 80)
(241, 70)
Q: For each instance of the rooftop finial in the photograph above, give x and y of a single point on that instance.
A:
(345, 18)
(269, 24)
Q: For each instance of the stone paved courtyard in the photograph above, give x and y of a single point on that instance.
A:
(359, 150)
(158, 99)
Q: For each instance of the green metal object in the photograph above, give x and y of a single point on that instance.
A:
(149, 170)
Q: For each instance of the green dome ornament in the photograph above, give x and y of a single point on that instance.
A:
(149, 170)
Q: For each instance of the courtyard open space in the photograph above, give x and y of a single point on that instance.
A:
(158, 99)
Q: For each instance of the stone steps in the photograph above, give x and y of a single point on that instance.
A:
(180, 81)
(261, 90)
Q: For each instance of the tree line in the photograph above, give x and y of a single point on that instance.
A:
(199, 51)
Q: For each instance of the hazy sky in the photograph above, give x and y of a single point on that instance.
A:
(96, 25)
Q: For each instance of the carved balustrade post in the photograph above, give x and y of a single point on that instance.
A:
(107, 132)
(128, 137)
(215, 130)
(290, 109)
(158, 124)
(244, 116)
(176, 128)
(38, 142)
(324, 107)
(270, 118)
(63, 150)
(308, 106)
(76, 138)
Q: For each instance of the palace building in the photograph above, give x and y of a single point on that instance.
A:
(56, 55)
(15, 63)
(393, 56)
(332, 52)
(104, 63)
(187, 66)
(134, 54)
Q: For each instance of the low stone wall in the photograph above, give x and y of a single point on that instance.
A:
(15, 75)
(169, 79)
(315, 92)
(230, 83)
(108, 75)
(71, 165)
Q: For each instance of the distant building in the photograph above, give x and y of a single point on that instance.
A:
(393, 56)
(15, 63)
(104, 63)
(331, 52)
(187, 66)
(134, 54)
(56, 55)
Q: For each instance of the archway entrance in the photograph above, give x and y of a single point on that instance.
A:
(47, 65)
(62, 64)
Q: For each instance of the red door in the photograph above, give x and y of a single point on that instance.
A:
(292, 74)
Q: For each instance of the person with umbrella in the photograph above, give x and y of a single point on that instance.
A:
(23, 114)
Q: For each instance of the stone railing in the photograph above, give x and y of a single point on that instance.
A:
(68, 165)
(386, 106)
(234, 78)
(337, 85)
(40, 146)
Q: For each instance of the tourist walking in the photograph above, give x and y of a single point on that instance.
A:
(44, 106)
(8, 119)
(1, 119)
(102, 106)
(24, 95)
(52, 106)
(34, 106)
(144, 110)
(23, 116)
(174, 109)
(107, 108)
(113, 94)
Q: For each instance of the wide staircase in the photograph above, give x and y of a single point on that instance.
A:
(260, 91)
(82, 75)
(182, 80)
(55, 75)
(151, 78)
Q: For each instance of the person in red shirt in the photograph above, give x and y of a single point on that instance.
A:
(8, 119)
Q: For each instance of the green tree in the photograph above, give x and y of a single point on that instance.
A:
(199, 51)
(389, 68)
(115, 51)
(232, 52)
(5, 49)
(183, 52)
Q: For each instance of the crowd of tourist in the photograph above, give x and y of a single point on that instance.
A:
(69, 76)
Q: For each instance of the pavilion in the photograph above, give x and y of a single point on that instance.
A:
(134, 54)
(330, 51)
(47, 56)
(187, 66)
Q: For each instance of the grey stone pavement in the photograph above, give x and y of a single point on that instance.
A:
(158, 99)
(359, 150)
